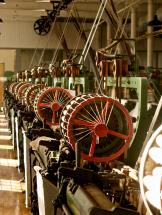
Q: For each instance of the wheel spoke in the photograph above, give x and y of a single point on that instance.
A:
(117, 134)
(104, 111)
(103, 114)
(82, 122)
(48, 96)
(54, 117)
(83, 136)
(65, 100)
(98, 113)
(93, 145)
(81, 132)
(56, 95)
(95, 115)
(111, 110)
(86, 117)
(61, 97)
(46, 105)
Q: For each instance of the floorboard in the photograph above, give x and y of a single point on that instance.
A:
(12, 189)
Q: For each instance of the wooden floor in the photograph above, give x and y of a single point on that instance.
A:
(12, 194)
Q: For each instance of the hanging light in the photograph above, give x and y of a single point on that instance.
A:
(2, 2)
(155, 23)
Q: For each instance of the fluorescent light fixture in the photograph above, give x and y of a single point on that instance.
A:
(8, 162)
(5, 137)
(43, 1)
(5, 130)
(3, 78)
(2, 116)
(12, 185)
(5, 124)
(3, 120)
(9, 147)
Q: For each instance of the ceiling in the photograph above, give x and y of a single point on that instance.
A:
(32, 10)
(29, 10)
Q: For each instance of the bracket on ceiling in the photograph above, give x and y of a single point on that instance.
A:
(42, 26)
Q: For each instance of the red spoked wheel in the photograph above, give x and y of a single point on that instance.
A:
(21, 91)
(12, 87)
(31, 94)
(101, 125)
(15, 91)
(49, 104)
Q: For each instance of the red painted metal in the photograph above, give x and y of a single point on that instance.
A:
(22, 90)
(31, 94)
(86, 120)
(49, 104)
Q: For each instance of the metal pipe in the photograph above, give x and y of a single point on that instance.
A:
(150, 36)
(42, 165)
(92, 32)
(130, 5)
(89, 44)
(66, 210)
(133, 23)
(109, 33)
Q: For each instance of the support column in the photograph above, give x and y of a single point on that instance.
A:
(150, 37)
(133, 23)
(109, 33)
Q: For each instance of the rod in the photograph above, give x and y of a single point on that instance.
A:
(98, 21)
(91, 31)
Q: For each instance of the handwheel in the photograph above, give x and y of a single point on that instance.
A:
(49, 104)
(17, 88)
(31, 94)
(100, 125)
(12, 87)
(150, 173)
(42, 26)
(22, 90)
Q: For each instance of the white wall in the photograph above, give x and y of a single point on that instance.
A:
(21, 35)
(8, 58)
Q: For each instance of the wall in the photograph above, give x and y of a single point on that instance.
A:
(1, 83)
(7, 56)
(141, 48)
(21, 35)
(28, 58)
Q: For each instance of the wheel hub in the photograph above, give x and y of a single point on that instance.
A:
(100, 130)
(55, 106)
